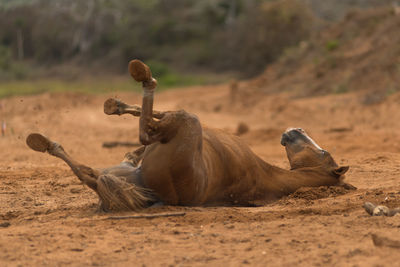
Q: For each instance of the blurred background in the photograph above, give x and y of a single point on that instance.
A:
(45, 44)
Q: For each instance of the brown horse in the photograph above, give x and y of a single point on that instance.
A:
(183, 163)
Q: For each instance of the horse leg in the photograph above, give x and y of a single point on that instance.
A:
(174, 168)
(147, 125)
(134, 157)
(41, 143)
(112, 185)
(149, 128)
(114, 106)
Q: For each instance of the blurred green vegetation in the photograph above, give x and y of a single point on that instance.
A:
(107, 84)
(43, 41)
(174, 36)
(332, 45)
(18, 87)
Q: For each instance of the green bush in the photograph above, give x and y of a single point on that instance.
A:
(158, 69)
(5, 58)
(19, 71)
(332, 45)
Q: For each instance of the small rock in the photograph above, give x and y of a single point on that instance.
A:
(380, 210)
(242, 128)
(75, 190)
(381, 241)
(217, 108)
(5, 224)
(369, 207)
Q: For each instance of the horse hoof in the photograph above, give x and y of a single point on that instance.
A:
(139, 71)
(111, 106)
(38, 142)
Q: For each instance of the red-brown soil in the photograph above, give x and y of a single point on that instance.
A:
(48, 218)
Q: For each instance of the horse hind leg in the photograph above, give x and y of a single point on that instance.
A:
(134, 157)
(41, 143)
(121, 187)
(114, 191)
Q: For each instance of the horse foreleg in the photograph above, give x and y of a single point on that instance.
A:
(114, 106)
(141, 73)
(41, 143)
(150, 130)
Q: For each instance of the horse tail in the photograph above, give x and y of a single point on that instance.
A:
(118, 195)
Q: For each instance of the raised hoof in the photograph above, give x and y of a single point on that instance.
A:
(38, 142)
(139, 71)
(112, 106)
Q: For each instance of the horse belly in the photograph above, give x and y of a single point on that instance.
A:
(171, 172)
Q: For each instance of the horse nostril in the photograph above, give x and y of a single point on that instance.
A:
(285, 139)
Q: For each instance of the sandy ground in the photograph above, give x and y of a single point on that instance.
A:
(48, 218)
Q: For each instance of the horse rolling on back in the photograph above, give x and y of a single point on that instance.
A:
(183, 163)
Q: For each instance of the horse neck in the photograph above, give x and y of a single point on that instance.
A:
(281, 182)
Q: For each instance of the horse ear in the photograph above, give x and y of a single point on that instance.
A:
(340, 170)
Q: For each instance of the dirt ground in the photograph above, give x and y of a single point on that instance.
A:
(48, 218)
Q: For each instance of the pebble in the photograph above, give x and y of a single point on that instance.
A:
(5, 224)
(380, 210)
